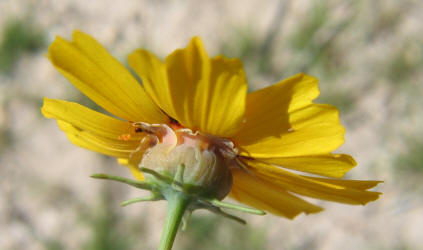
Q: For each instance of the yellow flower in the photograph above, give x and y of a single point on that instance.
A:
(192, 99)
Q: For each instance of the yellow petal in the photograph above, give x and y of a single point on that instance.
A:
(186, 68)
(331, 165)
(91, 69)
(103, 145)
(87, 119)
(200, 93)
(317, 139)
(356, 184)
(133, 168)
(281, 121)
(262, 194)
(311, 187)
(220, 102)
(313, 114)
(268, 109)
(154, 78)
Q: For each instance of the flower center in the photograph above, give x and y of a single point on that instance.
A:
(207, 159)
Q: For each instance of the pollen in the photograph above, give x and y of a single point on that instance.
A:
(125, 137)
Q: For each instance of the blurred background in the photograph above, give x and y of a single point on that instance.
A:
(366, 54)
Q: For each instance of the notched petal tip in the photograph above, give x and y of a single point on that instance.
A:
(53, 48)
(308, 77)
(77, 33)
(347, 158)
(196, 40)
(375, 196)
(44, 108)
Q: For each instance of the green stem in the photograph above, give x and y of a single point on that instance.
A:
(177, 204)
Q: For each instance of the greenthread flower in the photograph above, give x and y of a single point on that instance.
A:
(194, 111)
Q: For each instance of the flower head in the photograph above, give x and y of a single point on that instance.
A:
(194, 110)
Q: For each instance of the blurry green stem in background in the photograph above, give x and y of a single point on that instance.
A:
(264, 65)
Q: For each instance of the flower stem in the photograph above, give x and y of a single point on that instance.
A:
(177, 204)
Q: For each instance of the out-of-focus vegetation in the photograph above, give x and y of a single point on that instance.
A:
(213, 232)
(411, 160)
(106, 233)
(404, 64)
(19, 36)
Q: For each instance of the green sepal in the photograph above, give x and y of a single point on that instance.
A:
(182, 199)
(134, 183)
(249, 210)
(151, 197)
